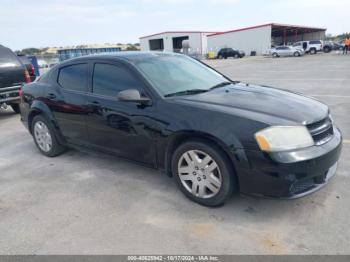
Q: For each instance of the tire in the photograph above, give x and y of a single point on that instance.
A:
(45, 135)
(275, 55)
(225, 57)
(326, 49)
(15, 107)
(313, 51)
(296, 54)
(221, 181)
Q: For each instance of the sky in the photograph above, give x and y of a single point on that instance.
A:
(43, 23)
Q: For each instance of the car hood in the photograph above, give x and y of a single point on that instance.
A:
(269, 101)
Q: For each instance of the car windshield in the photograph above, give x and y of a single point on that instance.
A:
(179, 74)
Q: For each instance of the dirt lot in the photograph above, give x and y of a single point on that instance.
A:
(90, 203)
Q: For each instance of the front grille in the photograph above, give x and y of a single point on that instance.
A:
(306, 184)
(302, 186)
(321, 131)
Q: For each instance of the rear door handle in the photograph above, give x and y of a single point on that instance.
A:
(51, 96)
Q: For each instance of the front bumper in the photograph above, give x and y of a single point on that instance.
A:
(290, 174)
(10, 94)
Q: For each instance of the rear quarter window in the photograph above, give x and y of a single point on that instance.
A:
(73, 77)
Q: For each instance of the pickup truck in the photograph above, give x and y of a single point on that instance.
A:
(311, 47)
(13, 74)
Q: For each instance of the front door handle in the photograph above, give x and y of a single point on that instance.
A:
(93, 103)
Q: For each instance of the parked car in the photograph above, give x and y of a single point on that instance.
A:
(12, 75)
(338, 46)
(230, 52)
(330, 45)
(311, 47)
(30, 67)
(286, 51)
(171, 112)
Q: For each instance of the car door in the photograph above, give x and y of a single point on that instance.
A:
(230, 52)
(289, 51)
(119, 126)
(284, 51)
(66, 98)
(279, 50)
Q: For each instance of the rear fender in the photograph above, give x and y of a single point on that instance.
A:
(39, 107)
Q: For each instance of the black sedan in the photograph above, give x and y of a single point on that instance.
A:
(230, 52)
(171, 112)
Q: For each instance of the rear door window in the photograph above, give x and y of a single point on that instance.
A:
(73, 77)
(315, 42)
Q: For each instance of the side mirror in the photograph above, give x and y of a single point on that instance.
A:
(133, 95)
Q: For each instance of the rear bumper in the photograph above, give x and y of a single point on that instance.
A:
(10, 94)
(290, 174)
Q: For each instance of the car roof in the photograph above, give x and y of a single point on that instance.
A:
(130, 56)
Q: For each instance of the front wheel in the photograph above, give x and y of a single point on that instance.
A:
(296, 54)
(203, 172)
(45, 137)
(274, 55)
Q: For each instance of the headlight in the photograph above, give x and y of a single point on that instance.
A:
(282, 138)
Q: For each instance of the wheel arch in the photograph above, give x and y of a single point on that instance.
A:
(40, 108)
(182, 136)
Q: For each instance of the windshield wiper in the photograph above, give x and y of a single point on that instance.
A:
(187, 92)
(197, 91)
(226, 83)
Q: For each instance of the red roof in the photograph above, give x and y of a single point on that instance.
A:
(269, 24)
(184, 32)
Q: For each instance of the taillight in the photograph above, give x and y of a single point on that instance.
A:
(20, 92)
(32, 69)
(27, 77)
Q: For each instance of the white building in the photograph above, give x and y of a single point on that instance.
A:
(260, 38)
(172, 41)
(257, 39)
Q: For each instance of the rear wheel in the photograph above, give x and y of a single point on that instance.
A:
(15, 107)
(203, 172)
(45, 137)
(313, 51)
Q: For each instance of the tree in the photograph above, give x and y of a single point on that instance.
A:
(31, 51)
(131, 48)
